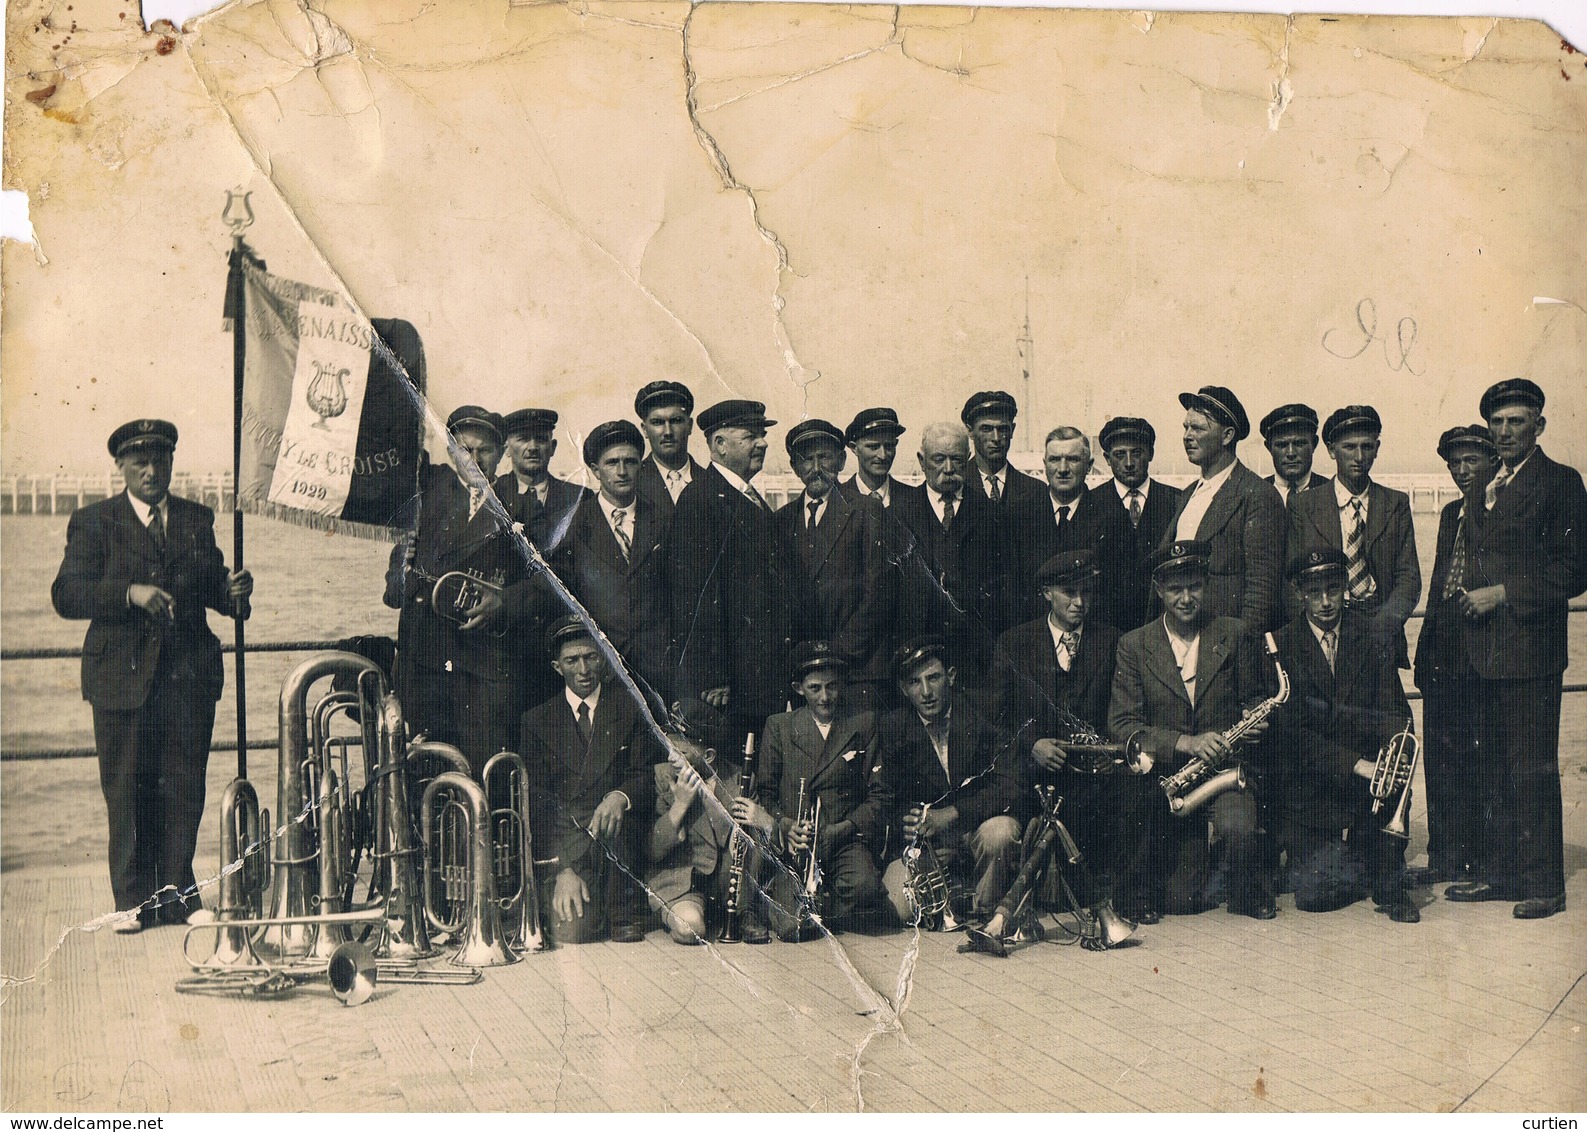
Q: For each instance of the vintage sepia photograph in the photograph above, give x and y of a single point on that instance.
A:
(667, 557)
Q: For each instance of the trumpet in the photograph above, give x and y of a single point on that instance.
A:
(732, 929)
(457, 592)
(928, 890)
(1392, 775)
(1086, 753)
(1202, 779)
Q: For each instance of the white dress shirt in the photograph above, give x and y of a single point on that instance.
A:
(674, 480)
(593, 700)
(883, 493)
(1201, 494)
(804, 506)
(1000, 477)
(143, 510)
(1067, 509)
(740, 485)
(1187, 654)
(1331, 653)
(610, 510)
(934, 497)
(1058, 642)
(824, 728)
(938, 734)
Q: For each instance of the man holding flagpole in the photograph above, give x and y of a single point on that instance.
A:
(142, 568)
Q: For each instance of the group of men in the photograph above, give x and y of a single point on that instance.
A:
(919, 659)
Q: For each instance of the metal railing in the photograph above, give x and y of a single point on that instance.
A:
(46, 754)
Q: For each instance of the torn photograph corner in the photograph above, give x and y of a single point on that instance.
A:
(643, 556)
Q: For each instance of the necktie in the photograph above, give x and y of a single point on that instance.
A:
(1330, 644)
(1456, 581)
(755, 497)
(1067, 643)
(815, 506)
(674, 484)
(625, 541)
(157, 529)
(585, 729)
(1502, 477)
(1361, 585)
(475, 498)
(1135, 507)
(993, 490)
(947, 512)
(542, 492)
(1063, 517)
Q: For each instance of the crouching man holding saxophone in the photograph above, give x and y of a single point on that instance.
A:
(1180, 685)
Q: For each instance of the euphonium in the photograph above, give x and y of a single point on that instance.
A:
(243, 873)
(459, 873)
(927, 889)
(296, 856)
(512, 839)
(738, 842)
(1392, 774)
(407, 933)
(1201, 779)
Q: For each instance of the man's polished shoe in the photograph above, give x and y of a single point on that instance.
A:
(628, 933)
(1262, 910)
(1474, 891)
(1420, 876)
(1540, 907)
(1142, 915)
(1404, 912)
(132, 925)
(753, 931)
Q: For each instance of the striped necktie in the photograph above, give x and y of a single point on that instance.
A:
(755, 497)
(994, 490)
(1330, 647)
(625, 541)
(1361, 584)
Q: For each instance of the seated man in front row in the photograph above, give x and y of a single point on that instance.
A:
(830, 752)
(1180, 683)
(952, 776)
(1345, 703)
(589, 754)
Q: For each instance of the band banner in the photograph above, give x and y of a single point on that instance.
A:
(331, 434)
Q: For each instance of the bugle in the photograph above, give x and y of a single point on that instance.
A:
(456, 593)
(928, 889)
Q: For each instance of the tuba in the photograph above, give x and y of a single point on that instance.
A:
(1391, 777)
(459, 871)
(1201, 780)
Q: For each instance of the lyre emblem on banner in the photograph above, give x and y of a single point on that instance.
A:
(326, 394)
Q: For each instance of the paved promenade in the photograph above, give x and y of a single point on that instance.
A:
(1347, 1011)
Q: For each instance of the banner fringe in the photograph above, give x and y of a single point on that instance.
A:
(331, 524)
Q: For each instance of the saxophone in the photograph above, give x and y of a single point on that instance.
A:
(1203, 779)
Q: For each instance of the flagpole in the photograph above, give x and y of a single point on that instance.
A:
(237, 305)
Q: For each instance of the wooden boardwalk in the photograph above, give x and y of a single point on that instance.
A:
(1345, 1011)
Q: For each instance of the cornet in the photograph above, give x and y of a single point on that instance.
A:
(1392, 775)
(456, 593)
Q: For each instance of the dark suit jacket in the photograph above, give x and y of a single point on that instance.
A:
(1390, 539)
(1315, 480)
(626, 597)
(447, 540)
(1149, 694)
(847, 567)
(1131, 583)
(955, 583)
(984, 781)
(546, 526)
(1534, 542)
(1031, 692)
(107, 550)
(1246, 528)
(843, 770)
(1333, 718)
(1441, 645)
(1019, 490)
(570, 782)
(739, 597)
(1096, 527)
(653, 488)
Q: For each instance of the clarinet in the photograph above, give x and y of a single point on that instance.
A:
(739, 848)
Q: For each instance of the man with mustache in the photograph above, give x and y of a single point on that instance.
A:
(142, 568)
